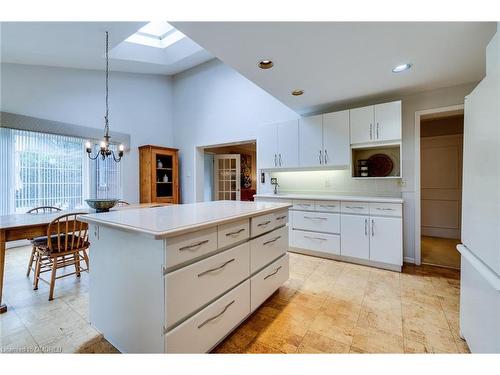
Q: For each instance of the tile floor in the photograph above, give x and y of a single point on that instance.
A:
(325, 307)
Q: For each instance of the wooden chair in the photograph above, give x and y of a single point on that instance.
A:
(122, 203)
(67, 247)
(38, 210)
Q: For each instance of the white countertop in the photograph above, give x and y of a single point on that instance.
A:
(162, 222)
(335, 197)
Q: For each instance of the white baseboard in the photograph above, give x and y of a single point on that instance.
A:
(409, 260)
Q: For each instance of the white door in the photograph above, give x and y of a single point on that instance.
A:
(267, 147)
(387, 126)
(288, 144)
(355, 236)
(336, 139)
(311, 141)
(227, 179)
(361, 124)
(386, 240)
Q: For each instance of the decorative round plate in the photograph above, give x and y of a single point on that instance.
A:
(379, 165)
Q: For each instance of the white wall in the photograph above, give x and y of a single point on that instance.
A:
(140, 105)
(213, 104)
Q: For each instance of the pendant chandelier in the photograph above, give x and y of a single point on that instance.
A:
(104, 150)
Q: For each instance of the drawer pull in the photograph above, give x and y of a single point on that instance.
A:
(216, 316)
(236, 232)
(304, 204)
(385, 209)
(264, 223)
(315, 218)
(328, 205)
(355, 207)
(189, 247)
(271, 241)
(216, 268)
(273, 273)
(315, 238)
(281, 217)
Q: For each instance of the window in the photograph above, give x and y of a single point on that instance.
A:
(39, 169)
(156, 34)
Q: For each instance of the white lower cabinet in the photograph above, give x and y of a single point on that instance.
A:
(322, 242)
(265, 283)
(205, 329)
(355, 239)
(316, 221)
(385, 240)
(266, 248)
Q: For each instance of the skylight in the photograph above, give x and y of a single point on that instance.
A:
(156, 34)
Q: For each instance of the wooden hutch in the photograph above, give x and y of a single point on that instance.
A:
(159, 174)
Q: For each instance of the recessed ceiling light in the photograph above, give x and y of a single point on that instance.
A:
(266, 64)
(401, 68)
(297, 92)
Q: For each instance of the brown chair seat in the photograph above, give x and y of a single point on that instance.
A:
(42, 243)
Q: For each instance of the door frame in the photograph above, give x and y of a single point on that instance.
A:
(418, 217)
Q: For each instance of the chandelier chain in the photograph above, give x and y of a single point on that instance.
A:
(106, 118)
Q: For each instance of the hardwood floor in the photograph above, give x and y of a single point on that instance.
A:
(440, 252)
(325, 307)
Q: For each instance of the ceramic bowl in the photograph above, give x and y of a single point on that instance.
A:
(101, 205)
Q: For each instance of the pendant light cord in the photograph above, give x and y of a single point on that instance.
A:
(106, 121)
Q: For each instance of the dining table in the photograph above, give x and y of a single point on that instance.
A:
(23, 226)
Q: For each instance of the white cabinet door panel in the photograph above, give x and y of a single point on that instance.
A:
(354, 236)
(288, 144)
(387, 126)
(386, 240)
(311, 141)
(361, 124)
(336, 138)
(267, 146)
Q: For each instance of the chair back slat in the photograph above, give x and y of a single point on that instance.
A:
(122, 203)
(74, 236)
(43, 209)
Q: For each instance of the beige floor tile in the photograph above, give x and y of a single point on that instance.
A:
(379, 319)
(338, 327)
(316, 343)
(375, 341)
(424, 316)
(343, 306)
(435, 339)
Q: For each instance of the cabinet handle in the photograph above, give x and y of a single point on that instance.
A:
(377, 129)
(366, 228)
(281, 217)
(320, 157)
(326, 156)
(371, 131)
(235, 233)
(273, 273)
(315, 238)
(328, 205)
(315, 218)
(264, 223)
(216, 268)
(385, 209)
(373, 232)
(271, 241)
(189, 247)
(354, 207)
(216, 316)
(280, 160)
(275, 160)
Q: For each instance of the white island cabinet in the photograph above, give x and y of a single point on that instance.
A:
(180, 278)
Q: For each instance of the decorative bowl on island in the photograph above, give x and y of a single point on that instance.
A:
(101, 205)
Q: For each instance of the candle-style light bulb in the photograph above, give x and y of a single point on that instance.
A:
(121, 148)
(103, 145)
(88, 147)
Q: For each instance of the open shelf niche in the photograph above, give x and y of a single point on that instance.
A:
(393, 151)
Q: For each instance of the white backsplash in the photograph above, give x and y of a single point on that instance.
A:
(330, 182)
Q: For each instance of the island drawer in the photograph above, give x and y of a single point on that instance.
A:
(193, 286)
(316, 221)
(266, 248)
(328, 206)
(303, 205)
(280, 218)
(189, 246)
(204, 330)
(386, 209)
(325, 243)
(355, 208)
(267, 281)
(262, 224)
(232, 233)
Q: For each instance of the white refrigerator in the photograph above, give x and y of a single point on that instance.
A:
(480, 250)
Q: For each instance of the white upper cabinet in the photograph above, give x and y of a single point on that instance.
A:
(278, 145)
(288, 144)
(267, 146)
(377, 123)
(361, 121)
(387, 124)
(311, 141)
(336, 150)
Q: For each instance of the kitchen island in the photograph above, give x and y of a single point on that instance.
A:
(179, 279)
